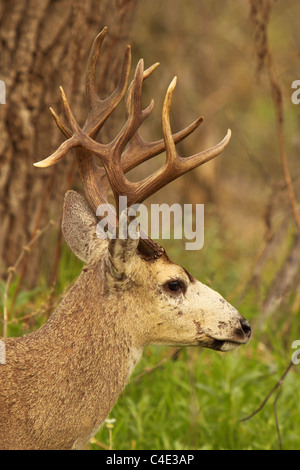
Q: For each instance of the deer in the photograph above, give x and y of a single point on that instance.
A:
(60, 382)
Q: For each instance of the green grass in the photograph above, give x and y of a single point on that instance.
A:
(197, 400)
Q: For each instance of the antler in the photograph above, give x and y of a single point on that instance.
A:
(128, 149)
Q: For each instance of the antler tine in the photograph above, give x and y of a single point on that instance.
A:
(100, 110)
(175, 166)
(110, 154)
(135, 114)
(94, 178)
(78, 137)
(91, 92)
(138, 149)
(146, 74)
(66, 146)
(67, 133)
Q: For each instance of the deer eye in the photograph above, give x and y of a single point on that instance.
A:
(175, 286)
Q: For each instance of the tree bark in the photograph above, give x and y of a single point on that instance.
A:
(44, 44)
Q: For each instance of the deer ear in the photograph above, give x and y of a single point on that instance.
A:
(122, 247)
(79, 228)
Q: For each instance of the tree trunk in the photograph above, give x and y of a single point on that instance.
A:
(44, 44)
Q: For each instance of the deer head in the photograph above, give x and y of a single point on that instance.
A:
(174, 308)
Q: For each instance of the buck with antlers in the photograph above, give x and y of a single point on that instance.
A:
(60, 382)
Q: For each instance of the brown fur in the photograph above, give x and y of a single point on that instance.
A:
(60, 382)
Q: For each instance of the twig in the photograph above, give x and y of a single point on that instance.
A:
(277, 385)
(277, 99)
(260, 15)
(13, 269)
(248, 278)
(282, 281)
(276, 417)
(272, 238)
(173, 355)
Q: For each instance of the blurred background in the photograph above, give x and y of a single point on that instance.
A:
(235, 63)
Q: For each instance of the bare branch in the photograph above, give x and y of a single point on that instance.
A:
(278, 386)
(260, 15)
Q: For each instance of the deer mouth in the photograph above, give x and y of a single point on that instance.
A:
(238, 337)
(225, 345)
(228, 344)
(221, 344)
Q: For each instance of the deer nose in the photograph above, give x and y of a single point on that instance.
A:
(246, 327)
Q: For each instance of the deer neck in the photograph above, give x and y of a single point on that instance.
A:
(93, 355)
